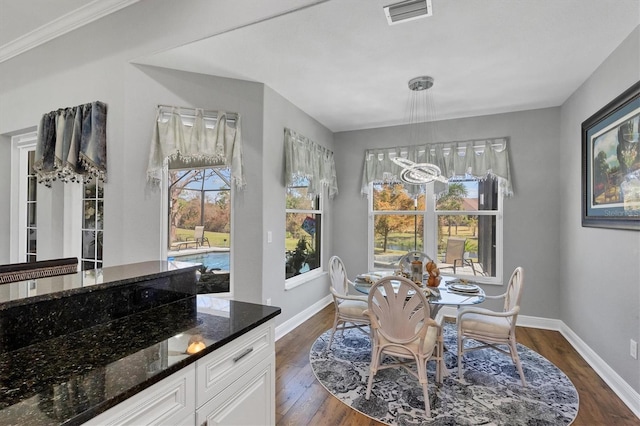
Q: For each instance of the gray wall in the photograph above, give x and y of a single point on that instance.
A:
(600, 292)
(280, 113)
(93, 63)
(531, 217)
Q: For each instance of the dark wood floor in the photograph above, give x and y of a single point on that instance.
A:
(301, 400)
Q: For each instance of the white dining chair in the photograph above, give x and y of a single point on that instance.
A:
(348, 308)
(404, 263)
(401, 327)
(491, 328)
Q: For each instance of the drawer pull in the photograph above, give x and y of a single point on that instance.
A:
(243, 354)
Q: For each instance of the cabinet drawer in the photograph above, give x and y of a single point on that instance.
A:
(168, 402)
(249, 401)
(219, 369)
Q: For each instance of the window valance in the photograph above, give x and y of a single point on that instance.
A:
(72, 144)
(307, 159)
(478, 158)
(193, 137)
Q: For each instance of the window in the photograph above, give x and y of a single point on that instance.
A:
(460, 229)
(31, 208)
(202, 198)
(23, 232)
(92, 221)
(303, 230)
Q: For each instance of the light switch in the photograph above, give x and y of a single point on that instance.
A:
(269, 236)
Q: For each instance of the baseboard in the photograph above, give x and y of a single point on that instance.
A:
(625, 392)
(293, 322)
(622, 389)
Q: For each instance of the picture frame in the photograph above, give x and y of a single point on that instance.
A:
(611, 164)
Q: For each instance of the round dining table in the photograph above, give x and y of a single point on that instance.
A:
(443, 295)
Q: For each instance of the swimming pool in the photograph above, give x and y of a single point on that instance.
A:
(211, 259)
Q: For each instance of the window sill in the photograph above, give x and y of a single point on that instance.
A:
(301, 279)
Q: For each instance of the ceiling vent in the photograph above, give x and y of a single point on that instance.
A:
(407, 11)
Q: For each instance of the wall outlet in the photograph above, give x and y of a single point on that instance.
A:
(269, 301)
(633, 349)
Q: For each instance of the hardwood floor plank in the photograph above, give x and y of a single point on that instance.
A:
(302, 400)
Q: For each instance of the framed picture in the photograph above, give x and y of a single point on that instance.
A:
(611, 164)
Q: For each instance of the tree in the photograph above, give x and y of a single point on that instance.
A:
(452, 200)
(392, 197)
(187, 210)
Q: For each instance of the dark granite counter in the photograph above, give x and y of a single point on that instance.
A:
(77, 372)
(61, 286)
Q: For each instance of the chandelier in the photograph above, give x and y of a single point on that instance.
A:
(412, 172)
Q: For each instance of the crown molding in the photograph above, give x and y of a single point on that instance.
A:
(62, 25)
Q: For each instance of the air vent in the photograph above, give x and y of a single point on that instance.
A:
(408, 11)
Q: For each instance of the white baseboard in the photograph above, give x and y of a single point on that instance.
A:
(292, 323)
(622, 389)
(625, 392)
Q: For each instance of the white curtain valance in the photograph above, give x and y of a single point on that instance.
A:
(72, 144)
(305, 158)
(478, 158)
(193, 136)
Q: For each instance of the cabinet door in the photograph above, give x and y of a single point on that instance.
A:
(250, 400)
(218, 370)
(171, 401)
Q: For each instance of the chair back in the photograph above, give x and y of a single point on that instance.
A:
(514, 289)
(338, 275)
(405, 261)
(198, 233)
(455, 250)
(400, 315)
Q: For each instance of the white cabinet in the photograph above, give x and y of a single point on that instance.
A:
(248, 401)
(234, 385)
(171, 401)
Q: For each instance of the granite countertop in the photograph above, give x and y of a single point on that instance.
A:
(61, 286)
(74, 377)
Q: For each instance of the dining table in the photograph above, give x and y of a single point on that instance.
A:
(451, 291)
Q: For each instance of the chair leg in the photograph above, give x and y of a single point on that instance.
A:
(333, 331)
(460, 353)
(373, 368)
(439, 359)
(516, 360)
(422, 377)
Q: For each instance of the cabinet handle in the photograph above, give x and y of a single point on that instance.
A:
(243, 354)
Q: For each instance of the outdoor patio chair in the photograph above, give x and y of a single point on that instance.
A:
(198, 236)
(454, 255)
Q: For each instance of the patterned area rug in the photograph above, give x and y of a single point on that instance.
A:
(490, 393)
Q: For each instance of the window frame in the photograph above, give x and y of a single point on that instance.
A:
(308, 276)
(21, 144)
(97, 202)
(164, 237)
(430, 229)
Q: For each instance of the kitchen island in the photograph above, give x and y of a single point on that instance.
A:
(132, 344)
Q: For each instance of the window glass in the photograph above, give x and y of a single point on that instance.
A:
(399, 225)
(458, 229)
(303, 227)
(32, 189)
(200, 223)
(92, 220)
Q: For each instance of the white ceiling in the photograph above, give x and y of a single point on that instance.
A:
(341, 62)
